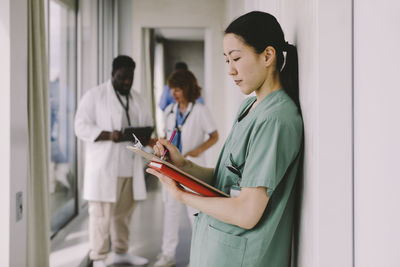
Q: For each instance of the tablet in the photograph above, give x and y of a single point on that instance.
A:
(142, 133)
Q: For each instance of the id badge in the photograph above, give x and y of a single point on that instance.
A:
(235, 191)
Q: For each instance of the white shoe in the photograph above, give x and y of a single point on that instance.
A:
(129, 259)
(99, 263)
(164, 261)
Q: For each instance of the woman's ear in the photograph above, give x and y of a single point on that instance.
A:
(269, 55)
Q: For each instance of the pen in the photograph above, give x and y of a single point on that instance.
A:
(170, 140)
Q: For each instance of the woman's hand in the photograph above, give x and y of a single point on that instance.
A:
(152, 142)
(193, 153)
(173, 187)
(203, 147)
(116, 136)
(173, 152)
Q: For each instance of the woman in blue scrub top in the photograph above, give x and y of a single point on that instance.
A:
(259, 161)
(195, 133)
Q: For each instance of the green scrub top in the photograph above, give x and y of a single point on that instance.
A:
(264, 145)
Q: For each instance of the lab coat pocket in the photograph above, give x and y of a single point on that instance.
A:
(224, 249)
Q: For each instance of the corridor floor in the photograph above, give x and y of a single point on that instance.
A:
(147, 223)
(146, 234)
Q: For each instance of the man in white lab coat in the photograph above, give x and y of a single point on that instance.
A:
(113, 175)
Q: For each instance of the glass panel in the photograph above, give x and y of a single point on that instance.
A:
(89, 50)
(107, 39)
(62, 75)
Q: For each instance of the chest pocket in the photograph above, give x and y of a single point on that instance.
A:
(236, 160)
(238, 149)
(224, 249)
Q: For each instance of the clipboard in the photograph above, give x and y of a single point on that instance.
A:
(194, 184)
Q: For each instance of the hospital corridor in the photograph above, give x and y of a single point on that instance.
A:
(80, 76)
(71, 247)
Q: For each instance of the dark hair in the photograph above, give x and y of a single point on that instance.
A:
(260, 30)
(122, 61)
(181, 66)
(185, 80)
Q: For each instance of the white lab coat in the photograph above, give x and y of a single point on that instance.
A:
(198, 125)
(195, 130)
(99, 110)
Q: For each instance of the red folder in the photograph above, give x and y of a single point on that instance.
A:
(188, 181)
(185, 179)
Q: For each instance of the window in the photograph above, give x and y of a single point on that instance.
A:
(62, 87)
(76, 64)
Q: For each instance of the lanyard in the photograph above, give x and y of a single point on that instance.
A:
(126, 107)
(179, 127)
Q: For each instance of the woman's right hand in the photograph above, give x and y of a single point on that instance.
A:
(173, 154)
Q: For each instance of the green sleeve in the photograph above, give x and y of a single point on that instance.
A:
(273, 145)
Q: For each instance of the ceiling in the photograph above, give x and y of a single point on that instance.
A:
(180, 34)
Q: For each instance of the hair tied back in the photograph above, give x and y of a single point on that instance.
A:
(285, 46)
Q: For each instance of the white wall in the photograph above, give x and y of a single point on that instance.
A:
(334, 135)
(376, 133)
(325, 68)
(5, 77)
(13, 136)
(125, 41)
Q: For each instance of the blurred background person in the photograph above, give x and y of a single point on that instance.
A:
(195, 133)
(113, 175)
(166, 97)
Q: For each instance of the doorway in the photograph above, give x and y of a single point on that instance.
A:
(173, 45)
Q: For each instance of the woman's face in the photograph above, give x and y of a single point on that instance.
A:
(247, 68)
(178, 95)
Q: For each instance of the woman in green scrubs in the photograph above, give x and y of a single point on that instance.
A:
(260, 158)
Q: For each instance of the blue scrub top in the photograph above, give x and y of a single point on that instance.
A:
(179, 120)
